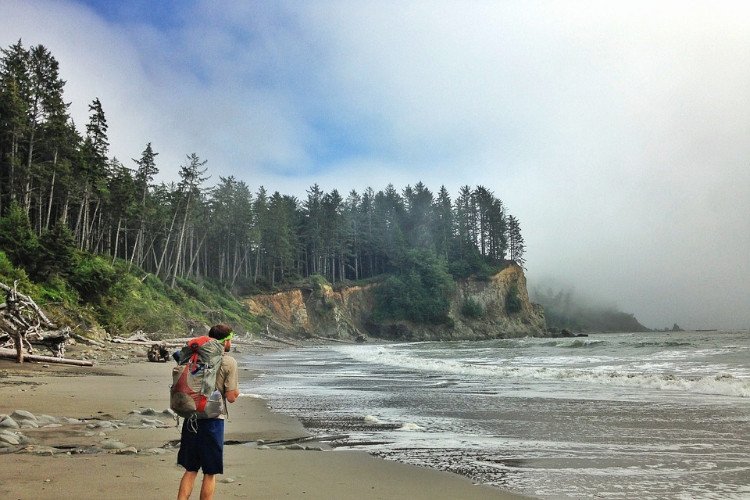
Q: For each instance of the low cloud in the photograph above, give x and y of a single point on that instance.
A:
(616, 133)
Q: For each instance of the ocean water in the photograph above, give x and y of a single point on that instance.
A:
(614, 416)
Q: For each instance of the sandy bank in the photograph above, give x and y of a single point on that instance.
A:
(70, 458)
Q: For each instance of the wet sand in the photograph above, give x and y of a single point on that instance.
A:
(71, 459)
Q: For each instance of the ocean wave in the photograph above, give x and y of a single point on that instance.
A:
(658, 344)
(410, 426)
(721, 384)
(575, 343)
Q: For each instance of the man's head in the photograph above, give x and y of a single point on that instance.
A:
(223, 333)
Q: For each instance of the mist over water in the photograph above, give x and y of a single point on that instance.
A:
(647, 415)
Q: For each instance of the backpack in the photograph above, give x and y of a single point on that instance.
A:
(193, 392)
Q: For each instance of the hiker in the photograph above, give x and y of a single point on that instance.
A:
(202, 442)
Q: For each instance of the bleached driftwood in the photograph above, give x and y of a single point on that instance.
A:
(54, 340)
(11, 354)
(171, 343)
(87, 340)
(19, 317)
(22, 322)
(268, 335)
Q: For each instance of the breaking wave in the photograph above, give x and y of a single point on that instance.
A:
(721, 384)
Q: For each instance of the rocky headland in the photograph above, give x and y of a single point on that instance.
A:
(347, 313)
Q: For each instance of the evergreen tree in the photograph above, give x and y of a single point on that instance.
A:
(419, 221)
(366, 214)
(93, 175)
(145, 172)
(190, 198)
(444, 224)
(48, 171)
(312, 230)
(353, 233)
(282, 241)
(333, 240)
(262, 232)
(465, 218)
(45, 100)
(515, 241)
(122, 207)
(17, 239)
(15, 83)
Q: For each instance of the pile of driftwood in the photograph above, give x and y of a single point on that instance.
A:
(157, 351)
(22, 323)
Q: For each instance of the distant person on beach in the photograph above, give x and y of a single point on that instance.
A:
(202, 446)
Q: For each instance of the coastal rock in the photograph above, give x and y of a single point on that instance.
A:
(347, 313)
(26, 440)
(111, 444)
(40, 450)
(155, 451)
(45, 420)
(104, 424)
(24, 419)
(8, 423)
(20, 415)
(10, 439)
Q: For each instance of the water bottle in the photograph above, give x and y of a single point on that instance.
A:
(214, 405)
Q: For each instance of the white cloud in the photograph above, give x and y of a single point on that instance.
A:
(616, 132)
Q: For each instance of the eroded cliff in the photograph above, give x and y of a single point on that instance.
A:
(347, 314)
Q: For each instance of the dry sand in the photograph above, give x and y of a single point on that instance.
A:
(111, 390)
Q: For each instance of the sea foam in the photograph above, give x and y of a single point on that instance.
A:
(721, 384)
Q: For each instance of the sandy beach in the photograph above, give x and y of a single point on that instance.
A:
(101, 432)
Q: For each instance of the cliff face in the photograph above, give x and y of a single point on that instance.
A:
(346, 314)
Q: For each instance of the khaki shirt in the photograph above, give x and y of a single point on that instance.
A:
(228, 377)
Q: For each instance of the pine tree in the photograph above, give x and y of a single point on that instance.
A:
(93, 175)
(145, 172)
(191, 178)
(515, 241)
(45, 100)
(444, 223)
(15, 82)
(312, 236)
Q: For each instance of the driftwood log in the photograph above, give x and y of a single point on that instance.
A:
(158, 353)
(268, 335)
(23, 323)
(54, 340)
(11, 354)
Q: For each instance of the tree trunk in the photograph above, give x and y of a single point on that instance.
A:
(179, 241)
(51, 190)
(117, 239)
(10, 354)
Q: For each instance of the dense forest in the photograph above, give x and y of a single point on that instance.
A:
(565, 308)
(67, 208)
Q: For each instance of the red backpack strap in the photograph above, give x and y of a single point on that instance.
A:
(194, 345)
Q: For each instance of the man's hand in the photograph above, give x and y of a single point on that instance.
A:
(232, 395)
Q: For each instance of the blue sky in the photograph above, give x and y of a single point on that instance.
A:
(617, 132)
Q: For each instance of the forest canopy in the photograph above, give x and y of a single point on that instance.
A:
(68, 210)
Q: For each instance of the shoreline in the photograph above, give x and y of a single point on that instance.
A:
(64, 458)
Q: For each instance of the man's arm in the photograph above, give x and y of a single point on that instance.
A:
(231, 385)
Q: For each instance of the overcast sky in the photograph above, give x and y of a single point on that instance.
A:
(618, 133)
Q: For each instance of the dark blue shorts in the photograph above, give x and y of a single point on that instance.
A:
(203, 449)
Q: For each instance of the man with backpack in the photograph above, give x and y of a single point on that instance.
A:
(202, 441)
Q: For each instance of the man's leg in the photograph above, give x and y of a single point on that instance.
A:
(186, 485)
(208, 486)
